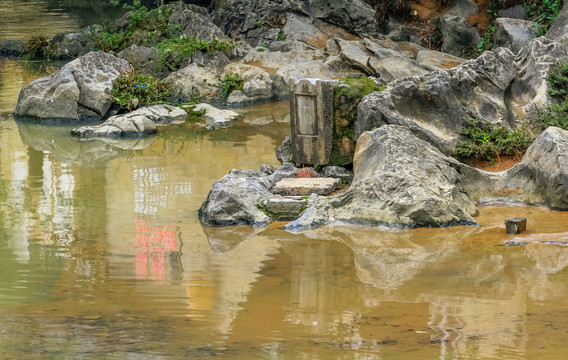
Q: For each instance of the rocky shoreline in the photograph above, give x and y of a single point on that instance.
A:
(397, 136)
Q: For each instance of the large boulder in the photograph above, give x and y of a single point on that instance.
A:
(215, 118)
(400, 181)
(194, 81)
(496, 88)
(195, 21)
(143, 59)
(458, 37)
(73, 45)
(80, 90)
(257, 84)
(136, 124)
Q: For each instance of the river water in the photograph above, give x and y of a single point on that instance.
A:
(102, 256)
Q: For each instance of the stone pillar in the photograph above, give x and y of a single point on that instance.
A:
(311, 120)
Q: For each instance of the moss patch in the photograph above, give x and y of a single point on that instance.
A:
(346, 96)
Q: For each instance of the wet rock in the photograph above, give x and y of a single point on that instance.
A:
(399, 181)
(305, 186)
(138, 123)
(12, 47)
(458, 37)
(515, 225)
(80, 90)
(216, 118)
(285, 208)
(233, 200)
(513, 33)
(284, 151)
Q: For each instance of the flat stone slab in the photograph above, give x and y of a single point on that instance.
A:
(305, 186)
(285, 208)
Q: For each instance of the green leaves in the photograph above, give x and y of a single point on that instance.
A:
(132, 90)
(229, 83)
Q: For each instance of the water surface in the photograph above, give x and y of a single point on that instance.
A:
(102, 257)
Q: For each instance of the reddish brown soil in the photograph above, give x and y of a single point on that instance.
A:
(504, 163)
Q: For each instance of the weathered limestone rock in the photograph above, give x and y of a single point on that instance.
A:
(81, 89)
(458, 37)
(559, 29)
(496, 88)
(513, 33)
(284, 151)
(337, 172)
(144, 59)
(257, 84)
(463, 8)
(216, 118)
(194, 81)
(395, 67)
(311, 120)
(138, 123)
(195, 21)
(305, 186)
(399, 181)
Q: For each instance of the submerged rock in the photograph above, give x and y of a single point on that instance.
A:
(136, 124)
(80, 91)
(215, 118)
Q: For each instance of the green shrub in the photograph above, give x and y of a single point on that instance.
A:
(174, 50)
(229, 83)
(489, 142)
(133, 90)
(195, 115)
(556, 113)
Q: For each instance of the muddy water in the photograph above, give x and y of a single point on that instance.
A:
(102, 257)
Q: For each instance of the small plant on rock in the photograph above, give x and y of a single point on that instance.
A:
(305, 172)
(36, 47)
(133, 90)
(230, 83)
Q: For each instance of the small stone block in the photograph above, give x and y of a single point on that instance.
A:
(305, 186)
(286, 208)
(515, 225)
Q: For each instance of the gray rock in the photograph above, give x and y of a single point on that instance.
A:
(80, 90)
(513, 33)
(355, 54)
(257, 84)
(216, 118)
(12, 47)
(559, 29)
(285, 208)
(284, 151)
(496, 88)
(195, 21)
(136, 124)
(395, 67)
(234, 200)
(53, 97)
(194, 81)
(458, 37)
(73, 45)
(337, 172)
(400, 181)
(143, 59)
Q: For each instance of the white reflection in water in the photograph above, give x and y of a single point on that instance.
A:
(153, 187)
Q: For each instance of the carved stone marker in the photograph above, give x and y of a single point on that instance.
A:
(311, 120)
(515, 225)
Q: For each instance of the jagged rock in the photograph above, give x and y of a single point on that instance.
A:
(435, 60)
(284, 151)
(355, 54)
(73, 45)
(513, 33)
(195, 21)
(399, 181)
(495, 88)
(310, 31)
(81, 89)
(337, 172)
(216, 118)
(194, 81)
(144, 59)
(12, 47)
(559, 29)
(395, 67)
(458, 37)
(136, 124)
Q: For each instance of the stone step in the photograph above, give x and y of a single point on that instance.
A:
(306, 186)
(285, 208)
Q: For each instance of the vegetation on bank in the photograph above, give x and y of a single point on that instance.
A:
(542, 12)
(133, 90)
(490, 142)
